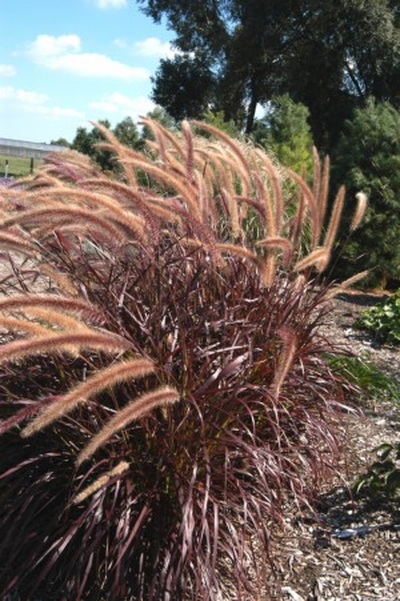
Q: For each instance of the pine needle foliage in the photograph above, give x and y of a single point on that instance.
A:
(162, 361)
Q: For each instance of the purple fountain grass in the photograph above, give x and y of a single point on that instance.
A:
(73, 343)
(106, 378)
(171, 386)
(134, 410)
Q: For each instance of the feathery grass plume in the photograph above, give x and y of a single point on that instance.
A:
(206, 206)
(69, 165)
(97, 200)
(60, 320)
(162, 136)
(240, 251)
(275, 178)
(63, 282)
(78, 306)
(231, 206)
(226, 162)
(163, 177)
(24, 414)
(277, 242)
(298, 223)
(315, 257)
(234, 147)
(13, 242)
(314, 221)
(316, 185)
(268, 264)
(362, 203)
(289, 346)
(189, 158)
(324, 189)
(334, 222)
(264, 197)
(129, 197)
(346, 284)
(102, 341)
(135, 409)
(18, 326)
(165, 210)
(106, 378)
(57, 216)
(101, 481)
(213, 167)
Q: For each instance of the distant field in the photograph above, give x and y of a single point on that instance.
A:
(17, 166)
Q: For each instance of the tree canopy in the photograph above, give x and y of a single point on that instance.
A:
(330, 55)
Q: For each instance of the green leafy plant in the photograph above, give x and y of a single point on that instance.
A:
(366, 375)
(383, 320)
(164, 389)
(383, 476)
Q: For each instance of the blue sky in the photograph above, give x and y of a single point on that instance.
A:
(64, 63)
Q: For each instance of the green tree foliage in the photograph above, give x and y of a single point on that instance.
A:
(368, 158)
(285, 131)
(86, 141)
(218, 120)
(60, 142)
(159, 115)
(183, 86)
(329, 55)
(127, 133)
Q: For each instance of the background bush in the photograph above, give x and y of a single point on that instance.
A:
(285, 131)
(383, 320)
(368, 158)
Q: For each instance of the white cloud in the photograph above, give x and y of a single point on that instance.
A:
(22, 96)
(63, 54)
(96, 65)
(35, 102)
(155, 47)
(47, 47)
(126, 105)
(56, 111)
(111, 3)
(7, 71)
(149, 47)
(121, 43)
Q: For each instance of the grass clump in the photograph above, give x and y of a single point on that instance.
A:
(164, 368)
(361, 370)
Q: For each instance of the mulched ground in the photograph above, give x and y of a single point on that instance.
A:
(326, 557)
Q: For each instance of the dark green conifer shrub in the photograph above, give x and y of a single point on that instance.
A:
(368, 158)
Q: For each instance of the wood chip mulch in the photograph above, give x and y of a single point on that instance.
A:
(350, 548)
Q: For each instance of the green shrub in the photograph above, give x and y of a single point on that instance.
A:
(285, 131)
(383, 477)
(164, 388)
(367, 376)
(383, 320)
(367, 158)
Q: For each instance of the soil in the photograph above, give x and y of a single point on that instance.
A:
(349, 549)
